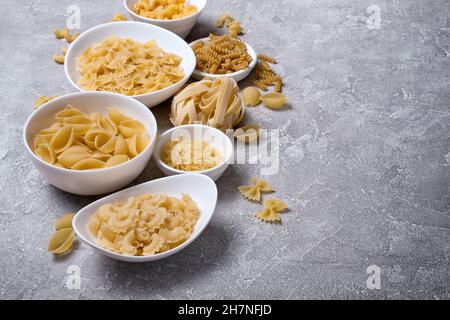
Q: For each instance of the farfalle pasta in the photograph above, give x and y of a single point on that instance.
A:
(190, 155)
(272, 209)
(144, 225)
(215, 103)
(81, 141)
(164, 9)
(253, 192)
(128, 67)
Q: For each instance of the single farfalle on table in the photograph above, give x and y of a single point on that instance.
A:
(215, 103)
(272, 209)
(144, 225)
(253, 191)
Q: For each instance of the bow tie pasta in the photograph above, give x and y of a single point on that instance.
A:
(144, 225)
(81, 141)
(128, 67)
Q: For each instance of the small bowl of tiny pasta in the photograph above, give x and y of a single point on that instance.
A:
(135, 59)
(177, 16)
(219, 56)
(90, 143)
(151, 221)
(194, 149)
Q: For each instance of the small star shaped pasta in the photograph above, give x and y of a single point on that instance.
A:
(272, 210)
(253, 192)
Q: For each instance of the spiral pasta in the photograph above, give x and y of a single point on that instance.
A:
(128, 67)
(144, 225)
(216, 103)
(164, 9)
(79, 141)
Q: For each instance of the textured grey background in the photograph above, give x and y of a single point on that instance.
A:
(365, 160)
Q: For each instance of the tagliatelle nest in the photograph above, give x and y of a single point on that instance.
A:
(215, 103)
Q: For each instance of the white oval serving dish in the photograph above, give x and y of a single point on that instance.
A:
(181, 27)
(138, 31)
(201, 189)
(98, 181)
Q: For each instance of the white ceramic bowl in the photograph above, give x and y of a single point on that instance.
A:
(237, 76)
(213, 136)
(181, 27)
(201, 189)
(99, 181)
(138, 31)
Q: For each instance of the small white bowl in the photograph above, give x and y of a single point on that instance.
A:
(237, 76)
(201, 189)
(99, 181)
(219, 140)
(181, 27)
(138, 31)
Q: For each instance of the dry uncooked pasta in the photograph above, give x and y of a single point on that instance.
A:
(119, 17)
(61, 241)
(253, 191)
(221, 55)
(274, 100)
(43, 100)
(272, 210)
(65, 221)
(144, 225)
(164, 9)
(233, 25)
(190, 155)
(251, 96)
(60, 58)
(65, 34)
(128, 67)
(81, 141)
(216, 103)
(265, 76)
(247, 133)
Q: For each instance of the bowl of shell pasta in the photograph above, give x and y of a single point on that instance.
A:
(135, 59)
(90, 143)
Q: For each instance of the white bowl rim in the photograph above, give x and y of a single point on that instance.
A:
(154, 257)
(84, 172)
(250, 67)
(134, 14)
(187, 74)
(226, 160)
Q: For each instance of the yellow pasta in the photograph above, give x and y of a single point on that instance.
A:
(43, 100)
(119, 17)
(65, 221)
(144, 225)
(215, 103)
(247, 133)
(80, 141)
(65, 34)
(189, 155)
(265, 76)
(274, 100)
(59, 58)
(233, 25)
(164, 9)
(221, 55)
(251, 96)
(253, 191)
(272, 210)
(61, 241)
(128, 67)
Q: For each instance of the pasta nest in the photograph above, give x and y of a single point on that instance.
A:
(215, 103)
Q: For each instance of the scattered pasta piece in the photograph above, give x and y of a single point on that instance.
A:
(43, 100)
(234, 28)
(65, 221)
(144, 225)
(65, 34)
(59, 58)
(272, 210)
(190, 155)
(223, 20)
(58, 33)
(221, 55)
(265, 76)
(233, 25)
(268, 59)
(119, 17)
(61, 241)
(253, 191)
(79, 141)
(274, 100)
(164, 9)
(247, 133)
(215, 103)
(251, 96)
(128, 67)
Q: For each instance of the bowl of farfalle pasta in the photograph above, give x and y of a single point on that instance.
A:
(131, 58)
(90, 143)
(177, 16)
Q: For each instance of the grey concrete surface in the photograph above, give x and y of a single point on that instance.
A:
(365, 161)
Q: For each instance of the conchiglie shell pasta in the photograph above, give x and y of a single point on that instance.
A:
(129, 128)
(73, 155)
(251, 96)
(69, 112)
(137, 144)
(105, 143)
(116, 160)
(65, 221)
(274, 100)
(121, 147)
(80, 124)
(62, 139)
(247, 133)
(88, 164)
(46, 152)
(61, 241)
